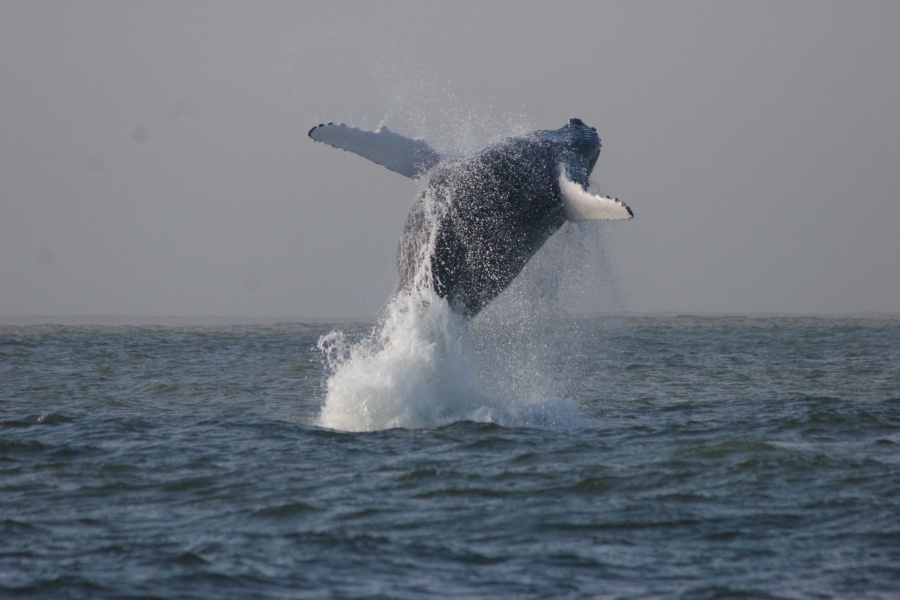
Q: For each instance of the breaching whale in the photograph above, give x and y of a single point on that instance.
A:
(482, 216)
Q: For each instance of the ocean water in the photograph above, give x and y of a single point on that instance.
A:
(626, 457)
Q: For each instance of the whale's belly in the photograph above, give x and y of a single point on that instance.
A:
(486, 219)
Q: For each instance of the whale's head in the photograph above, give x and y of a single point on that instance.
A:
(579, 146)
(581, 140)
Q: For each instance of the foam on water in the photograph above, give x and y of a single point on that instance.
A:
(418, 369)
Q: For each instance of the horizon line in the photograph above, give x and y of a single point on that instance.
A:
(225, 320)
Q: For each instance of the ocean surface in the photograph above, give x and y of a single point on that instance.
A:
(622, 457)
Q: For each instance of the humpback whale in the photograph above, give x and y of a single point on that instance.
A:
(482, 216)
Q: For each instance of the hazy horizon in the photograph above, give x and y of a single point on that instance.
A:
(154, 159)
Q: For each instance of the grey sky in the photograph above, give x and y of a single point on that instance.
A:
(154, 158)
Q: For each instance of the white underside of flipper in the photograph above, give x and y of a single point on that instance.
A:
(409, 157)
(581, 205)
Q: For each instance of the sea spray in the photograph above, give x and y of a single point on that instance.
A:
(423, 365)
(411, 371)
(419, 368)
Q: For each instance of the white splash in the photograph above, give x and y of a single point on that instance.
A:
(417, 369)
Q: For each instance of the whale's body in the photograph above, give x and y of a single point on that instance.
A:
(481, 217)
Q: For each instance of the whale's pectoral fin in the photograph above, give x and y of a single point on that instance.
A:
(409, 157)
(581, 205)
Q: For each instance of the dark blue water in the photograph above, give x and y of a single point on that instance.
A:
(680, 457)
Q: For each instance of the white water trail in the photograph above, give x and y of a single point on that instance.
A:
(410, 372)
(419, 369)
